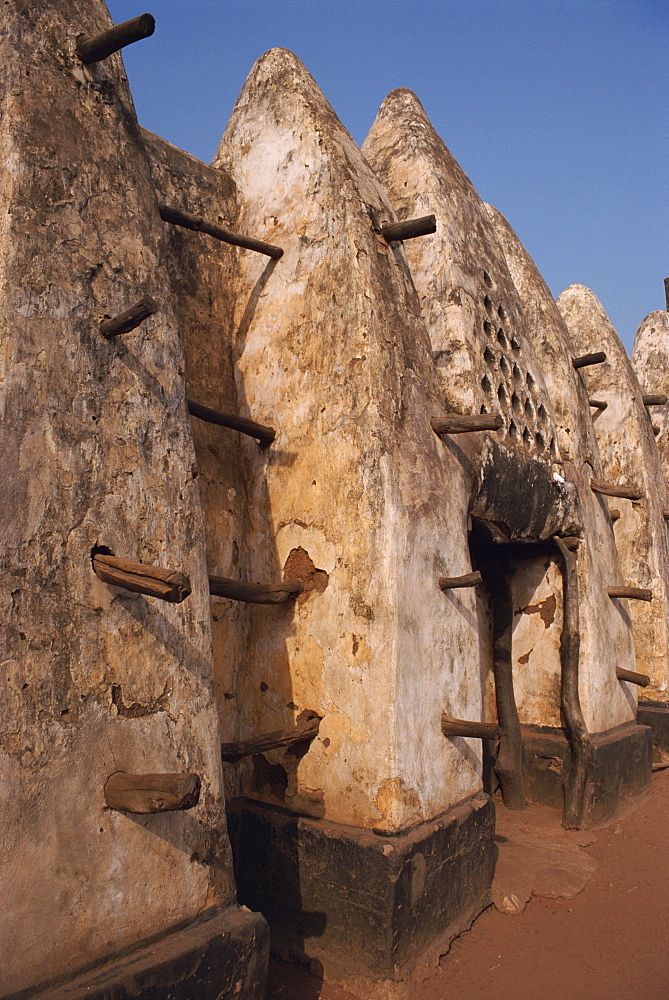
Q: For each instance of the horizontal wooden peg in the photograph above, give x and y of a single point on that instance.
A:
(453, 582)
(477, 730)
(598, 404)
(94, 48)
(633, 593)
(255, 593)
(589, 359)
(408, 230)
(305, 728)
(200, 225)
(666, 293)
(614, 514)
(643, 680)
(665, 515)
(154, 581)
(265, 435)
(152, 793)
(611, 490)
(655, 399)
(128, 320)
(456, 423)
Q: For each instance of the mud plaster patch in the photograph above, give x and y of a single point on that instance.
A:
(545, 609)
(299, 566)
(136, 710)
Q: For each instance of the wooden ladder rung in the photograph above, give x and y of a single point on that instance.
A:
(632, 593)
(596, 358)
(456, 423)
(242, 424)
(255, 593)
(643, 680)
(128, 320)
(409, 229)
(140, 578)
(453, 582)
(152, 793)
(612, 490)
(477, 730)
(305, 728)
(199, 225)
(95, 48)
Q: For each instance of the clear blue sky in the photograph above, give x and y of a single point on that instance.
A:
(556, 109)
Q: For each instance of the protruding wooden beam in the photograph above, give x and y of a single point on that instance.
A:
(152, 793)
(579, 739)
(255, 593)
(477, 730)
(633, 593)
(410, 229)
(632, 677)
(453, 582)
(611, 490)
(265, 435)
(665, 515)
(199, 225)
(94, 48)
(571, 541)
(655, 399)
(509, 759)
(154, 581)
(598, 404)
(456, 423)
(305, 728)
(666, 293)
(589, 359)
(128, 320)
(614, 514)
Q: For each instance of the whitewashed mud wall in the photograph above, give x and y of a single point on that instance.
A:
(201, 271)
(97, 450)
(629, 456)
(606, 635)
(357, 493)
(650, 359)
(486, 363)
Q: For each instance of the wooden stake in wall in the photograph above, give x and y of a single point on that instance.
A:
(152, 793)
(95, 48)
(140, 578)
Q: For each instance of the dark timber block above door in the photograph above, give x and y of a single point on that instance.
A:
(357, 904)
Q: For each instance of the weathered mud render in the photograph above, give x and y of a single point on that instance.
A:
(294, 481)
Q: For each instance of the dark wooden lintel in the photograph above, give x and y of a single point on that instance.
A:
(255, 593)
(453, 582)
(612, 490)
(589, 359)
(633, 593)
(140, 578)
(456, 423)
(95, 48)
(598, 404)
(655, 399)
(643, 680)
(152, 793)
(305, 728)
(265, 435)
(476, 730)
(199, 225)
(409, 229)
(128, 320)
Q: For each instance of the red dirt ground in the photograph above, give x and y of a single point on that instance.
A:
(610, 942)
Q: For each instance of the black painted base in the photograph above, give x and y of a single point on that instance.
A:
(619, 777)
(656, 715)
(221, 955)
(352, 903)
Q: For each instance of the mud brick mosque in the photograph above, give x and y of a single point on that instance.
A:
(325, 530)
